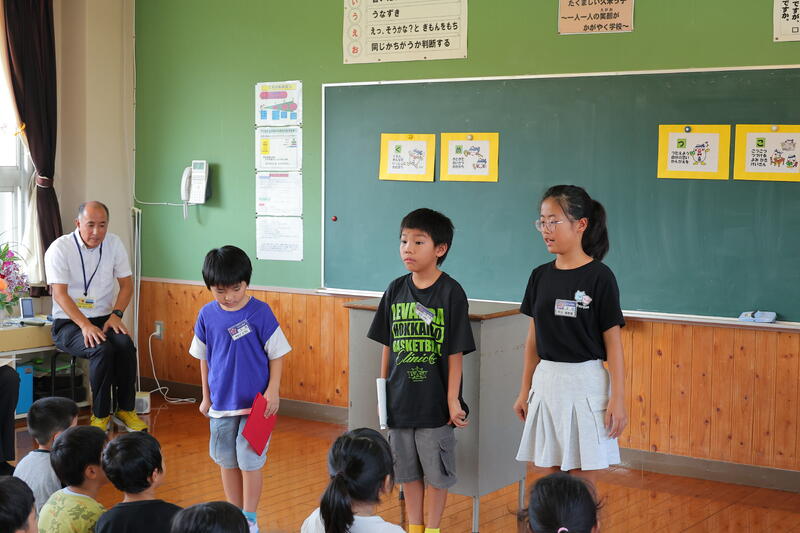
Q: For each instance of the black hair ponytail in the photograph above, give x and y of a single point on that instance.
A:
(359, 462)
(577, 204)
(559, 501)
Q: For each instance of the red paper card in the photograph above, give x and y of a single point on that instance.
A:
(257, 429)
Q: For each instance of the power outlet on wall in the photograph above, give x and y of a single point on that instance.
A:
(159, 330)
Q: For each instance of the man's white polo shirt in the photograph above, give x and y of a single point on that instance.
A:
(62, 263)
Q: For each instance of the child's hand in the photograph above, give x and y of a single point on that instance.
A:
(458, 417)
(616, 417)
(273, 402)
(521, 407)
(205, 405)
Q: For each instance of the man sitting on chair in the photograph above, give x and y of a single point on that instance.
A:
(83, 267)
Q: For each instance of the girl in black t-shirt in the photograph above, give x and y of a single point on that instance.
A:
(573, 408)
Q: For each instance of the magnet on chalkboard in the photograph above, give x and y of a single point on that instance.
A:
(774, 127)
(334, 218)
(687, 129)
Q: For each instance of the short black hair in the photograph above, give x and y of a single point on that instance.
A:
(74, 450)
(130, 459)
(16, 504)
(48, 416)
(211, 517)
(434, 223)
(226, 266)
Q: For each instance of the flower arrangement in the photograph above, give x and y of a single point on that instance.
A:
(13, 282)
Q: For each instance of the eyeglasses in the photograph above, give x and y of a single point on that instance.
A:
(549, 225)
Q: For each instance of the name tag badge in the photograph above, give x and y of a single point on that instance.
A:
(237, 331)
(567, 308)
(84, 303)
(424, 313)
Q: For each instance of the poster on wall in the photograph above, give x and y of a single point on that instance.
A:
(786, 20)
(580, 16)
(279, 103)
(694, 151)
(407, 156)
(767, 152)
(279, 193)
(379, 31)
(469, 156)
(279, 149)
(279, 238)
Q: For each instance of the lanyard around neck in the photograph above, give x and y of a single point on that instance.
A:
(83, 266)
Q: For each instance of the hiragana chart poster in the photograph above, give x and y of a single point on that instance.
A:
(378, 31)
(767, 152)
(407, 156)
(279, 103)
(469, 157)
(606, 16)
(786, 20)
(694, 151)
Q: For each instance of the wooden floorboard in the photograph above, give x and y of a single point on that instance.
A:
(296, 475)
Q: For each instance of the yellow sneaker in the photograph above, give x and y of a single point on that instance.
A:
(130, 420)
(101, 423)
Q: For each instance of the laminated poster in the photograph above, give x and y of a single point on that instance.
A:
(407, 156)
(694, 151)
(767, 152)
(469, 157)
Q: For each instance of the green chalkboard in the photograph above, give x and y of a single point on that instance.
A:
(677, 246)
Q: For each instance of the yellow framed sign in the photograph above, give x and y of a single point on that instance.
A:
(469, 157)
(767, 152)
(407, 156)
(694, 151)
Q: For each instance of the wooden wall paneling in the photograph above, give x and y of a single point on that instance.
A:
(313, 371)
(722, 392)
(640, 386)
(681, 395)
(700, 422)
(787, 382)
(341, 325)
(300, 361)
(286, 319)
(743, 390)
(627, 350)
(660, 386)
(764, 398)
(326, 349)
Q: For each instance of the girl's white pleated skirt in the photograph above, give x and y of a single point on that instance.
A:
(565, 424)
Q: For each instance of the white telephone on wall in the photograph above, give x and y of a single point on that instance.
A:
(194, 183)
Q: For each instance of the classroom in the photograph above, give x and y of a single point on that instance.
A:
(151, 95)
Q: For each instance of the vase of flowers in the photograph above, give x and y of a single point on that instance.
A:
(13, 281)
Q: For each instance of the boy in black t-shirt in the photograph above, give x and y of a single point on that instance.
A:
(423, 323)
(134, 465)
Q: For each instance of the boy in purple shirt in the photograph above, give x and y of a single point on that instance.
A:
(240, 346)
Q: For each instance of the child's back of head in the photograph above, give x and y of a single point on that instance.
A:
(50, 416)
(561, 503)
(130, 461)
(434, 223)
(74, 450)
(212, 517)
(16, 506)
(361, 468)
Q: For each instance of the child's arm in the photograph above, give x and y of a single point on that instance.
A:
(455, 364)
(273, 392)
(616, 417)
(385, 362)
(205, 404)
(529, 365)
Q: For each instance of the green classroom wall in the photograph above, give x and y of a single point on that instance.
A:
(197, 62)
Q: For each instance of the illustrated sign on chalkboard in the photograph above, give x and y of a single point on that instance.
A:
(767, 153)
(700, 152)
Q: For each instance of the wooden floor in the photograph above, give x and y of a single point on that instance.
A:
(296, 474)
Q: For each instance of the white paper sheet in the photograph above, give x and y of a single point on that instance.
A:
(279, 193)
(279, 103)
(279, 238)
(279, 149)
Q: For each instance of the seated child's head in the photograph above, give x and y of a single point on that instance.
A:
(133, 463)
(17, 509)
(212, 517)
(561, 503)
(430, 229)
(227, 272)
(75, 456)
(361, 467)
(47, 417)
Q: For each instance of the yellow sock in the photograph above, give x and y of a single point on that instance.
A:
(431, 530)
(416, 528)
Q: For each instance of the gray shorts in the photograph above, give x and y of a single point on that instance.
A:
(229, 449)
(428, 453)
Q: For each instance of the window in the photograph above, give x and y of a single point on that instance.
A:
(14, 169)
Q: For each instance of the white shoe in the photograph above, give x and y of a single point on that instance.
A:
(253, 526)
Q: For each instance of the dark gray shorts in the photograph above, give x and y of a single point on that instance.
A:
(428, 453)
